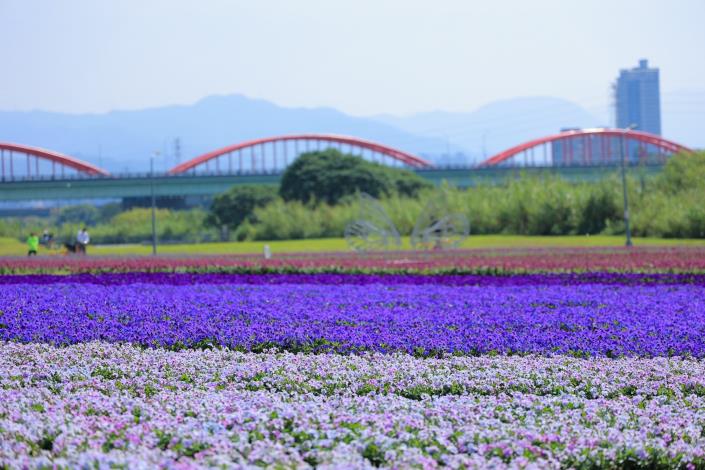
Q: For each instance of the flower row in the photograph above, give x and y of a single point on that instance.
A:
(105, 405)
(421, 319)
(642, 259)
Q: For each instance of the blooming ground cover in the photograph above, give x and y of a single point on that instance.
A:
(422, 319)
(478, 261)
(190, 370)
(121, 405)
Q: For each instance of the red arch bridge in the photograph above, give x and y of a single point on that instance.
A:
(259, 156)
(29, 173)
(273, 153)
(24, 162)
(588, 147)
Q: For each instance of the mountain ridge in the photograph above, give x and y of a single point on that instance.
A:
(124, 140)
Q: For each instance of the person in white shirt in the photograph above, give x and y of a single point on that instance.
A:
(82, 239)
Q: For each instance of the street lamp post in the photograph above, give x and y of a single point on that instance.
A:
(624, 187)
(154, 203)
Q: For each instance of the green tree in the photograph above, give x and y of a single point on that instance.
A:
(85, 214)
(237, 205)
(108, 211)
(683, 172)
(601, 208)
(135, 226)
(330, 175)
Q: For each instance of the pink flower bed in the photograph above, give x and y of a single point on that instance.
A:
(642, 259)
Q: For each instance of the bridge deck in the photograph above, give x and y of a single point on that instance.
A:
(209, 185)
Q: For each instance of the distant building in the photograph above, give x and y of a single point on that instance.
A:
(637, 98)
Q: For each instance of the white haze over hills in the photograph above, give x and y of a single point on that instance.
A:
(502, 124)
(124, 140)
(497, 125)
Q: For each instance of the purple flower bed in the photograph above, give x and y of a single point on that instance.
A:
(129, 386)
(605, 319)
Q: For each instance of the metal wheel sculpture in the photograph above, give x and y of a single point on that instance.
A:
(373, 230)
(437, 228)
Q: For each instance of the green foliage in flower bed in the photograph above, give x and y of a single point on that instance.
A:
(392, 411)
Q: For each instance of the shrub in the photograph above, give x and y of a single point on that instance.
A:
(330, 175)
(237, 205)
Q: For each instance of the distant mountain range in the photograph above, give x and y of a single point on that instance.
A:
(497, 125)
(124, 140)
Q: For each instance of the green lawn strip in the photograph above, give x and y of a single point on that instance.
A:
(12, 247)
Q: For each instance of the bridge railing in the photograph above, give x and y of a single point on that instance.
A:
(58, 177)
(277, 172)
(135, 175)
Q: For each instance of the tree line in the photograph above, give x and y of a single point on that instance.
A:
(317, 198)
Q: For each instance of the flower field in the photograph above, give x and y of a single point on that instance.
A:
(117, 404)
(390, 315)
(689, 259)
(346, 362)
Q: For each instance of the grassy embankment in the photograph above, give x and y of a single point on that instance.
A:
(11, 247)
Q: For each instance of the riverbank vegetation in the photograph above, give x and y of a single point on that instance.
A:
(669, 205)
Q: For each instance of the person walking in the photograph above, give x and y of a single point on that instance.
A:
(32, 244)
(47, 239)
(82, 239)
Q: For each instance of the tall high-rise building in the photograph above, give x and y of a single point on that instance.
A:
(637, 98)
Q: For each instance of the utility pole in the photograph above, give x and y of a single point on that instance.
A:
(624, 187)
(154, 203)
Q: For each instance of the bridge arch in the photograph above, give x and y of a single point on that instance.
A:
(583, 147)
(11, 167)
(283, 143)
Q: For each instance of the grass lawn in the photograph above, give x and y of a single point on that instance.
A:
(11, 247)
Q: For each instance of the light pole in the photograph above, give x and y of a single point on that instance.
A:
(624, 187)
(154, 203)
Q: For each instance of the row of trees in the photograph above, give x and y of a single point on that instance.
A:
(316, 199)
(314, 182)
(131, 226)
(326, 178)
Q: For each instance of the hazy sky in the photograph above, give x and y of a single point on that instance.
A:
(360, 56)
